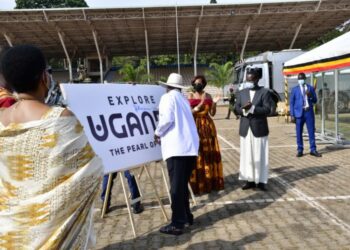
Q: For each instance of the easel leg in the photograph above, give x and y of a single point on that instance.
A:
(155, 191)
(139, 187)
(121, 175)
(192, 195)
(137, 179)
(166, 183)
(108, 191)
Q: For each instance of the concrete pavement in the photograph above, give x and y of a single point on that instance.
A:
(306, 206)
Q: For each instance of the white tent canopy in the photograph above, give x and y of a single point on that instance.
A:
(332, 55)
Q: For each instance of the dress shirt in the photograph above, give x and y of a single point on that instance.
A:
(306, 102)
(176, 127)
(251, 110)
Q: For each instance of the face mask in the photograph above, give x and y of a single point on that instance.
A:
(198, 87)
(248, 85)
(301, 81)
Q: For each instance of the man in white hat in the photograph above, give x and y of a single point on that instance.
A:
(177, 133)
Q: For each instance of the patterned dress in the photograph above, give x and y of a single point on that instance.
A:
(208, 174)
(49, 178)
(6, 98)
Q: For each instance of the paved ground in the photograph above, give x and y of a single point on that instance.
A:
(307, 205)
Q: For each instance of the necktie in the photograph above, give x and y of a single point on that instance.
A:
(304, 102)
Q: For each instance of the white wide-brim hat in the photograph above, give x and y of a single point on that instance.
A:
(174, 80)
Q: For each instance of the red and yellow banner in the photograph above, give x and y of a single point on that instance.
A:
(323, 65)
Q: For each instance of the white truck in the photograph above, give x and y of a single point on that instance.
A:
(271, 64)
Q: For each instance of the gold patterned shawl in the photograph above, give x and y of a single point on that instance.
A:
(49, 178)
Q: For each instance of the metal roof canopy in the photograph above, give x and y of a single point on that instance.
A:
(155, 30)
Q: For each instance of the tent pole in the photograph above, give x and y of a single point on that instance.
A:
(323, 121)
(336, 81)
(286, 100)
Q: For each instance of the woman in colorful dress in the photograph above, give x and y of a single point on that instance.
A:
(6, 98)
(208, 174)
(49, 174)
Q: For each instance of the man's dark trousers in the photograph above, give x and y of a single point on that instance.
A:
(180, 169)
(307, 117)
(134, 190)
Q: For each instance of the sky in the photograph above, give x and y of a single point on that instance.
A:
(10, 4)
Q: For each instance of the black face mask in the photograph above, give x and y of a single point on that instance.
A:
(198, 87)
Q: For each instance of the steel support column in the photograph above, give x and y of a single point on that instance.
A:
(195, 52)
(147, 46)
(196, 41)
(177, 41)
(247, 31)
(147, 57)
(99, 54)
(8, 39)
(67, 56)
(295, 35)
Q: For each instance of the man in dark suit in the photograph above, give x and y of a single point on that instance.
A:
(253, 104)
(302, 99)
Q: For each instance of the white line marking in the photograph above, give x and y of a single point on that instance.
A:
(230, 128)
(283, 146)
(269, 200)
(228, 143)
(224, 149)
(280, 146)
(281, 126)
(309, 200)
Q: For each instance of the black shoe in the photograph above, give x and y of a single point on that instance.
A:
(299, 154)
(189, 220)
(170, 229)
(137, 208)
(262, 186)
(228, 118)
(315, 153)
(248, 185)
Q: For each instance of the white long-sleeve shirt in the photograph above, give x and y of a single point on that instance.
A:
(176, 127)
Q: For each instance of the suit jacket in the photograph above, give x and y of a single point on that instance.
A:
(257, 121)
(297, 101)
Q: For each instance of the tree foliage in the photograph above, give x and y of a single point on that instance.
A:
(134, 74)
(41, 4)
(220, 75)
(325, 38)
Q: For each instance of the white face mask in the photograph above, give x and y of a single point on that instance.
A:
(248, 85)
(301, 81)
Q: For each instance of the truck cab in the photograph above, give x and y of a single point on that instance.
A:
(271, 64)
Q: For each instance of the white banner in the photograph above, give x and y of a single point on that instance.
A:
(119, 121)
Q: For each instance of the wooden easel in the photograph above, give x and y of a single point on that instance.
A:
(121, 176)
(165, 180)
